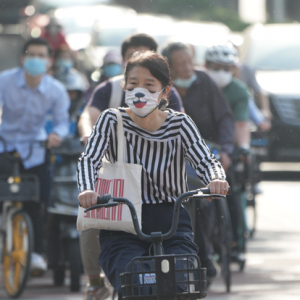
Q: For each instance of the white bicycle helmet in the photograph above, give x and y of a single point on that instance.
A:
(222, 54)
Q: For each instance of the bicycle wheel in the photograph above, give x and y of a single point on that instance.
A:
(250, 214)
(225, 240)
(16, 265)
(75, 264)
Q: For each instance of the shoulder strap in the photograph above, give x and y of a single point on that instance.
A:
(120, 133)
(116, 92)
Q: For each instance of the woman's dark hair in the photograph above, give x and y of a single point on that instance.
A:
(156, 64)
(38, 42)
(139, 40)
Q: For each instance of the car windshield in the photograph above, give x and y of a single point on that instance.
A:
(113, 36)
(274, 55)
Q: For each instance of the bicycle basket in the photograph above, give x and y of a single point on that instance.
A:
(166, 277)
(27, 189)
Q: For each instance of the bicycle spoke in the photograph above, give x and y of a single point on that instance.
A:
(17, 275)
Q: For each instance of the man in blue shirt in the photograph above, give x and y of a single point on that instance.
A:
(26, 95)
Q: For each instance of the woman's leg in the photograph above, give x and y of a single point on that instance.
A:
(182, 241)
(117, 250)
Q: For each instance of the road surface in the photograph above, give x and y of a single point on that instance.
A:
(272, 271)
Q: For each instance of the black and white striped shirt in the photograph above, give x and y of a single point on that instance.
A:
(161, 153)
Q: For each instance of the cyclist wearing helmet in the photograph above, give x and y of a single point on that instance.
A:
(151, 134)
(220, 63)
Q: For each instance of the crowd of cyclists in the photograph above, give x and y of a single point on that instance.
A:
(220, 98)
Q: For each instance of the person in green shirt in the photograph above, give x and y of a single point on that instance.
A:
(220, 64)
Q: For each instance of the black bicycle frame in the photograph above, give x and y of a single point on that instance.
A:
(155, 237)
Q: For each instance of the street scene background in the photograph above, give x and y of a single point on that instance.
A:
(267, 36)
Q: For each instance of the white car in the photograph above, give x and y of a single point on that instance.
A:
(273, 51)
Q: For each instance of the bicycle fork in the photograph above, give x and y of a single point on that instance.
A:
(9, 210)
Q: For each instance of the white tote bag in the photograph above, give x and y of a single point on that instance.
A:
(118, 179)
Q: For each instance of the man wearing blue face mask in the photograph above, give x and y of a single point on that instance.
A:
(26, 95)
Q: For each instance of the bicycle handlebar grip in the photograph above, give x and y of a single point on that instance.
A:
(206, 191)
(103, 199)
(106, 205)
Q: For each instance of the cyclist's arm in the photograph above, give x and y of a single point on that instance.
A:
(98, 102)
(264, 105)
(91, 160)
(241, 116)
(254, 113)
(86, 122)
(242, 134)
(60, 118)
(198, 155)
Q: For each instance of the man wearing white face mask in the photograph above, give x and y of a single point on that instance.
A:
(220, 64)
(205, 104)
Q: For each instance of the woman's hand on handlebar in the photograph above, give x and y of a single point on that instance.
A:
(218, 186)
(87, 198)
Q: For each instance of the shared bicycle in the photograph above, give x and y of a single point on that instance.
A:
(17, 236)
(160, 276)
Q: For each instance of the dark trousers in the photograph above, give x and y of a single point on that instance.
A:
(36, 210)
(118, 248)
(203, 214)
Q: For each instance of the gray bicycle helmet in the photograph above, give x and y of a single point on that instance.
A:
(221, 54)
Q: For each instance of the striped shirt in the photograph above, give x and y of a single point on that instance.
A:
(161, 153)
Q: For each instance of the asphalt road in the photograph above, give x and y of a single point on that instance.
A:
(272, 271)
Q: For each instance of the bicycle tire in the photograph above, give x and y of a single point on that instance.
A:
(251, 216)
(225, 240)
(73, 255)
(59, 275)
(18, 263)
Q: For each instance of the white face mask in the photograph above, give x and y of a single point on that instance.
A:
(141, 101)
(221, 78)
(184, 83)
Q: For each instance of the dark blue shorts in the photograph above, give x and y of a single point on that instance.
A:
(118, 248)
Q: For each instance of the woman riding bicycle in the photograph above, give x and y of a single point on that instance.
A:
(160, 140)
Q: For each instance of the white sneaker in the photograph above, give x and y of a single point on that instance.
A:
(38, 264)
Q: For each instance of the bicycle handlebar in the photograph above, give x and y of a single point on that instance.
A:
(109, 201)
(12, 157)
